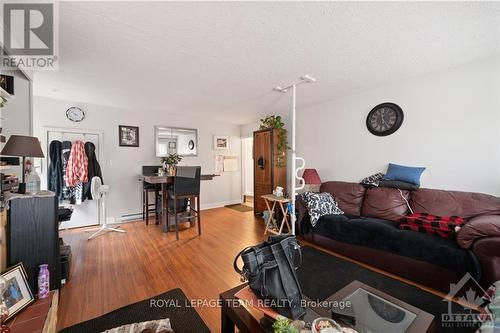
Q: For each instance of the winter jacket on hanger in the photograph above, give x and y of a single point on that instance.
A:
(94, 169)
(55, 178)
(77, 168)
(67, 192)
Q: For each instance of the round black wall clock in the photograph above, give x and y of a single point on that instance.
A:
(384, 119)
(75, 114)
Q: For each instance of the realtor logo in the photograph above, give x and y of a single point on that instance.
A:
(29, 35)
(468, 292)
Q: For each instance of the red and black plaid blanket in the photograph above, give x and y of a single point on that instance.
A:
(442, 226)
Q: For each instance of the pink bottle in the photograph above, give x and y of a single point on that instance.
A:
(43, 281)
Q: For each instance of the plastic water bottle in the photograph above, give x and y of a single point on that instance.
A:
(43, 281)
(32, 183)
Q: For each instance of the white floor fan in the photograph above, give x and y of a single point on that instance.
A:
(98, 191)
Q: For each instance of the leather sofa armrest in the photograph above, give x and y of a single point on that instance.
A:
(487, 251)
(477, 228)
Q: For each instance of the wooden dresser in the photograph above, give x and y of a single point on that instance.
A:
(269, 166)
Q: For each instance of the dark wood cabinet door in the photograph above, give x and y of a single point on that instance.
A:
(269, 166)
(263, 158)
(279, 160)
(263, 168)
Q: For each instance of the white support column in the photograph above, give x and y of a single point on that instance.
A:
(294, 159)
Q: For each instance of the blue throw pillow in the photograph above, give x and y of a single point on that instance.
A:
(404, 173)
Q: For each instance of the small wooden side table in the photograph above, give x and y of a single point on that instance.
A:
(268, 198)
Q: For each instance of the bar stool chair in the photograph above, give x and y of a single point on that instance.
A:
(147, 188)
(186, 188)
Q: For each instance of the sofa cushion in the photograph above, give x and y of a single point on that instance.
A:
(348, 195)
(398, 184)
(479, 227)
(385, 236)
(404, 173)
(448, 203)
(320, 204)
(385, 203)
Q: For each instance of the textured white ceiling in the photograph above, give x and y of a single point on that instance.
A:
(222, 59)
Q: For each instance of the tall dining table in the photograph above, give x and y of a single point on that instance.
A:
(164, 181)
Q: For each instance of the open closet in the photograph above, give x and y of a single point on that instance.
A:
(73, 157)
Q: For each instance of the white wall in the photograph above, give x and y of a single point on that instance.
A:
(451, 126)
(247, 162)
(121, 166)
(247, 130)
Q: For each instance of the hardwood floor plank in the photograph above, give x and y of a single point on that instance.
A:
(115, 269)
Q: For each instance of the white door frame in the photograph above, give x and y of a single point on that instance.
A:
(243, 169)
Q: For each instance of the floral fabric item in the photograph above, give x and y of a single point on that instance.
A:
(153, 326)
(320, 204)
(373, 180)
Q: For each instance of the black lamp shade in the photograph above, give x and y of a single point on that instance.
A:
(20, 145)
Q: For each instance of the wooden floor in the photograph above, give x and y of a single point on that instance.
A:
(117, 269)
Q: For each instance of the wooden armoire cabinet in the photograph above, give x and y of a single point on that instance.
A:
(269, 166)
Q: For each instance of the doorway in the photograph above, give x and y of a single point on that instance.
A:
(247, 161)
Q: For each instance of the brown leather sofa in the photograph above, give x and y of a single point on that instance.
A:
(368, 232)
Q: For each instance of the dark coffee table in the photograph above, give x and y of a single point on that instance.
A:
(374, 310)
(368, 307)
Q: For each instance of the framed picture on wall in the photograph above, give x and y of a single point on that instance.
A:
(221, 142)
(17, 294)
(128, 136)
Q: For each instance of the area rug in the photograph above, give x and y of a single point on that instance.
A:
(173, 304)
(322, 274)
(240, 208)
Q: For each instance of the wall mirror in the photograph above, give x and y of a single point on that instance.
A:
(170, 140)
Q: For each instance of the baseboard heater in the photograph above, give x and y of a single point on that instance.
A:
(133, 217)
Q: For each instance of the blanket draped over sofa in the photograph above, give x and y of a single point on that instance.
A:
(368, 232)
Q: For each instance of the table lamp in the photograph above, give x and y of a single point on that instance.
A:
(312, 180)
(23, 146)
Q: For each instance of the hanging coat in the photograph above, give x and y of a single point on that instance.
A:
(94, 169)
(55, 178)
(67, 192)
(76, 170)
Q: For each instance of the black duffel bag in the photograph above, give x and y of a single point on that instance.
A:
(270, 268)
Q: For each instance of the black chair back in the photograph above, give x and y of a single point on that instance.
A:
(150, 170)
(187, 181)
